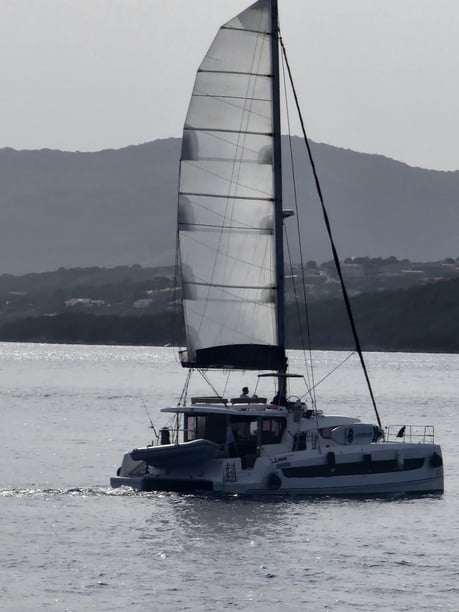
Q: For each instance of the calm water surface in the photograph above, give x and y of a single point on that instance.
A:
(69, 542)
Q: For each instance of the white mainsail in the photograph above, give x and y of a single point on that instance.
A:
(226, 208)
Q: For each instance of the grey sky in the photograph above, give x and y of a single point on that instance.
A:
(373, 76)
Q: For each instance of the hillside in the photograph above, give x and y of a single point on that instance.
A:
(119, 206)
(131, 305)
(419, 319)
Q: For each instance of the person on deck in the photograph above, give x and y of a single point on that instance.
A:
(245, 392)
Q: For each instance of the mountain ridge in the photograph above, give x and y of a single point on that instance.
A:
(118, 206)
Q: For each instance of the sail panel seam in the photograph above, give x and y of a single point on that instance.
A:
(221, 286)
(212, 129)
(232, 28)
(255, 74)
(224, 228)
(225, 196)
(224, 97)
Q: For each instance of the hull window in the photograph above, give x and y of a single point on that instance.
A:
(352, 469)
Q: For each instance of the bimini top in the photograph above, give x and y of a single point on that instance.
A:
(224, 407)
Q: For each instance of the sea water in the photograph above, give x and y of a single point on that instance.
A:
(70, 542)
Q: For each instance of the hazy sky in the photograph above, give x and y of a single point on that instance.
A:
(379, 76)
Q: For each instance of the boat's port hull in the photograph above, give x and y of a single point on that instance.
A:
(324, 476)
(417, 487)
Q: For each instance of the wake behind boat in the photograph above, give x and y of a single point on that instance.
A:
(231, 252)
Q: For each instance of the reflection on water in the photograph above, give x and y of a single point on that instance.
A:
(68, 415)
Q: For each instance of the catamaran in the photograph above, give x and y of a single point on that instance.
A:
(231, 252)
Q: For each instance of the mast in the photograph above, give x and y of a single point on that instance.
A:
(277, 165)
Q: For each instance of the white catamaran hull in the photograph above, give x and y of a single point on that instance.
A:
(376, 469)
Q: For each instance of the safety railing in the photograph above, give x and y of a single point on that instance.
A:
(421, 434)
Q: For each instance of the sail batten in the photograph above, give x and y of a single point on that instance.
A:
(213, 195)
(227, 202)
(229, 286)
(222, 228)
(226, 72)
(205, 95)
(227, 131)
(227, 27)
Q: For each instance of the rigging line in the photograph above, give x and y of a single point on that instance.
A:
(234, 330)
(182, 398)
(333, 247)
(226, 382)
(261, 47)
(303, 280)
(264, 267)
(309, 384)
(203, 374)
(247, 110)
(229, 180)
(233, 181)
(227, 100)
(215, 134)
(334, 369)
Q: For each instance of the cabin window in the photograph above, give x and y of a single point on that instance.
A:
(272, 430)
(206, 426)
(244, 428)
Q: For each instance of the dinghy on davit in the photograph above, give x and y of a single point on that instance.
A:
(230, 239)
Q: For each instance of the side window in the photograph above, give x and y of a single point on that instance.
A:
(195, 427)
(209, 427)
(244, 428)
(272, 430)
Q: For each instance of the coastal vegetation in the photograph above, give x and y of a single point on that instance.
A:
(141, 306)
